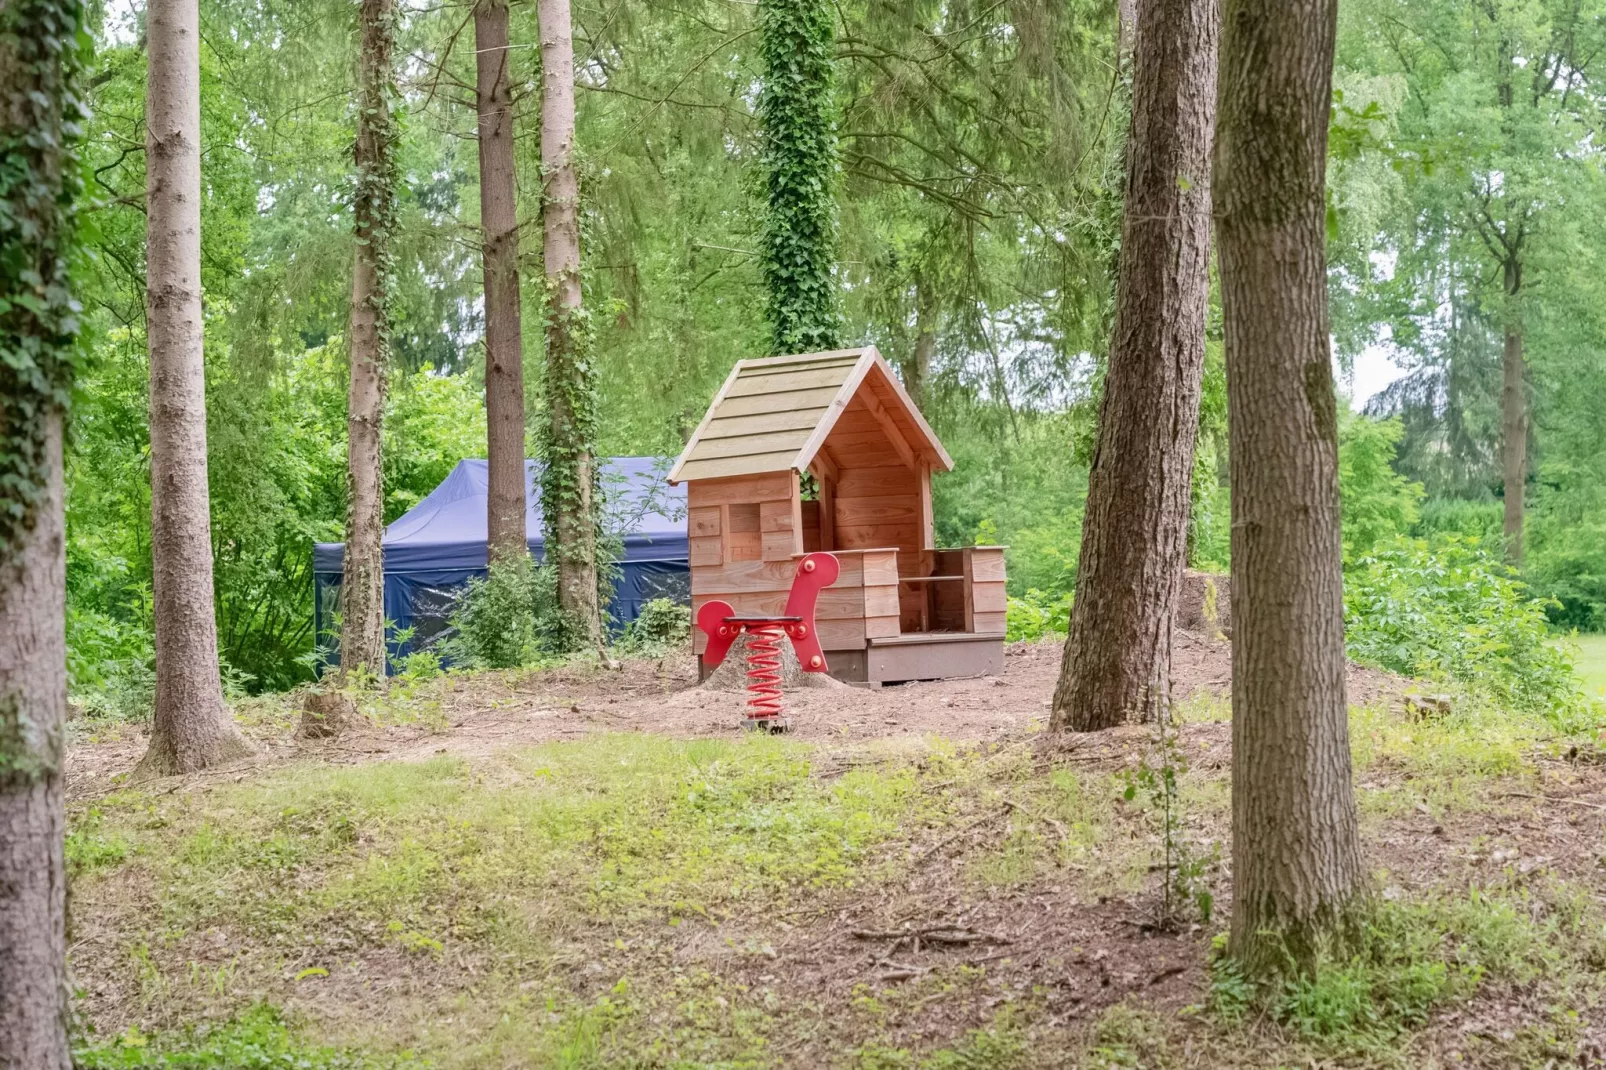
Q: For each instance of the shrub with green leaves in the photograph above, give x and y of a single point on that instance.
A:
(1446, 609)
(1037, 616)
(662, 625)
(508, 618)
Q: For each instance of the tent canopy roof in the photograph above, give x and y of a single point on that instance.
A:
(447, 530)
(774, 414)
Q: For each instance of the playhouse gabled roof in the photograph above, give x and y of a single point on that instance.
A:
(774, 414)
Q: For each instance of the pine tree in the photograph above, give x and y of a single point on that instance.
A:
(1117, 660)
(192, 728)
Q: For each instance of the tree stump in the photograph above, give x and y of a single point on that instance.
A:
(1204, 604)
(327, 714)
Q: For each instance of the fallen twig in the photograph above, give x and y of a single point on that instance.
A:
(1035, 816)
(1553, 798)
(971, 827)
(936, 934)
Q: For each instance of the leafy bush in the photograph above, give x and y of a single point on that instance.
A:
(662, 625)
(1447, 610)
(1377, 502)
(1037, 616)
(508, 618)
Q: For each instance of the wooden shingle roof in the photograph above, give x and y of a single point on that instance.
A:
(774, 414)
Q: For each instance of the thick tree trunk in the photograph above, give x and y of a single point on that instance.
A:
(568, 481)
(33, 708)
(192, 727)
(1117, 662)
(504, 338)
(38, 323)
(1513, 419)
(362, 589)
(1295, 856)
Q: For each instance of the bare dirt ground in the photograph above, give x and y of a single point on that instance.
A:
(485, 712)
(1051, 940)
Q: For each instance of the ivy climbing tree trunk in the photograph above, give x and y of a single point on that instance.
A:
(568, 478)
(192, 728)
(1513, 415)
(1117, 662)
(797, 114)
(362, 589)
(1295, 853)
(504, 332)
(40, 59)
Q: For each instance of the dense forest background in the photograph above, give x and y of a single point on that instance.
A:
(980, 218)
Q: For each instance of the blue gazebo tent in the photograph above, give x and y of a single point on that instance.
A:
(433, 549)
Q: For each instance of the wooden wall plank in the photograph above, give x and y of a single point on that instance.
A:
(902, 511)
(879, 567)
(811, 526)
(989, 623)
(744, 576)
(702, 521)
(881, 627)
(875, 482)
(987, 562)
(706, 551)
(765, 486)
(780, 545)
(775, 516)
(880, 601)
(876, 536)
(988, 596)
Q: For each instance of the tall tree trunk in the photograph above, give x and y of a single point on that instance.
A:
(504, 337)
(568, 480)
(1295, 853)
(39, 63)
(192, 728)
(362, 589)
(1117, 662)
(917, 369)
(797, 114)
(33, 707)
(1513, 418)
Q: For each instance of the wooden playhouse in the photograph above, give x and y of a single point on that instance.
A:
(902, 609)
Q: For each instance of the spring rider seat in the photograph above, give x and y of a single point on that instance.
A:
(766, 711)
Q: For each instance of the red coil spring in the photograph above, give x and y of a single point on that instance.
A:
(763, 671)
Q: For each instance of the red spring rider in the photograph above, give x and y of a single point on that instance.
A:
(765, 710)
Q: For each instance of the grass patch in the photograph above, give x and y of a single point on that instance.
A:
(1410, 958)
(1590, 664)
(257, 1040)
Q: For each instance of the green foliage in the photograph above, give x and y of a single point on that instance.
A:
(661, 627)
(798, 114)
(1036, 615)
(1405, 958)
(44, 45)
(509, 618)
(1447, 610)
(259, 1039)
(1377, 502)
